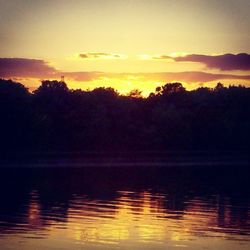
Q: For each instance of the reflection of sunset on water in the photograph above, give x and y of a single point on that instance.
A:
(110, 216)
(130, 220)
(34, 216)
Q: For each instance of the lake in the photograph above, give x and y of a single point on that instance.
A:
(125, 208)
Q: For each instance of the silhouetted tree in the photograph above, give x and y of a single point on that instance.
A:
(55, 118)
(15, 115)
(170, 88)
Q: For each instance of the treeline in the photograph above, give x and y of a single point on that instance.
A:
(55, 118)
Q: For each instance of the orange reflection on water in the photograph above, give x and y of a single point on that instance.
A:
(34, 216)
(133, 220)
(128, 219)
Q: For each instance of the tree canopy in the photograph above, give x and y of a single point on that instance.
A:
(56, 118)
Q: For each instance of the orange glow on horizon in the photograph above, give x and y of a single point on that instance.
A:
(125, 84)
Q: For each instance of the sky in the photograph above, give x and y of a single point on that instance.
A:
(125, 44)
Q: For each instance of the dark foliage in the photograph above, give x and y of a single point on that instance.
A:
(55, 118)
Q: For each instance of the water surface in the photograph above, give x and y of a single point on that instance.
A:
(124, 208)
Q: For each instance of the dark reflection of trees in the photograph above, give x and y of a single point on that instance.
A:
(237, 217)
(13, 203)
(168, 191)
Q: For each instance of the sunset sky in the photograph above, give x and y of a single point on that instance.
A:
(125, 44)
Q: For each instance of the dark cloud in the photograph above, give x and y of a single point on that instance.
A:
(221, 62)
(23, 67)
(194, 76)
(99, 55)
(33, 68)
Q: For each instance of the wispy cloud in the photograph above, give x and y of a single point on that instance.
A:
(83, 76)
(101, 55)
(164, 77)
(221, 62)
